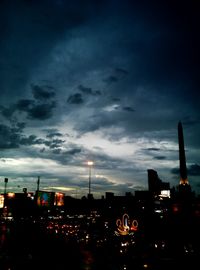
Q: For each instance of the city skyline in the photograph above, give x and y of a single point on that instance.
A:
(106, 82)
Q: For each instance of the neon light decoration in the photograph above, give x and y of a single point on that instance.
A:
(125, 226)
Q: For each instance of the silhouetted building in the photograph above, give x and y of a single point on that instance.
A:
(156, 185)
(109, 195)
(153, 181)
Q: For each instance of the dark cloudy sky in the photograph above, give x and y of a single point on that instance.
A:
(106, 81)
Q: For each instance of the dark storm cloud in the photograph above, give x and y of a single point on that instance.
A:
(193, 170)
(14, 138)
(10, 136)
(24, 104)
(7, 112)
(110, 79)
(31, 140)
(72, 152)
(175, 171)
(30, 29)
(93, 123)
(190, 121)
(172, 48)
(153, 149)
(160, 157)
(121, 71)
(117, 75)
(116, 99)
(85, 90)
(40, 108)
(53, 133)
(33, 111)
(152, 46)
(79, 98)
(20, 126)
(128, 109)
(41, 111)
(40, 93)
(42, 150)
(75, 99)
(56, 151)
(88, 90)
(68, 155)
(55, 143)
(159, 46)
(143, 56)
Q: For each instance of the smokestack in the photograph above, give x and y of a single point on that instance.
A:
(182, 160)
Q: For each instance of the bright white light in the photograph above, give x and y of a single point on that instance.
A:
(165, 193)
(90, 163)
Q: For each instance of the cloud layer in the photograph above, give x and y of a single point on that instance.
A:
(104, 80)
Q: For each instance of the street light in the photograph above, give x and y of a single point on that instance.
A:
(5, 193)
(90, 163)
(6, 182)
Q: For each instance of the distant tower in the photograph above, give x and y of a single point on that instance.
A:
(182, 160)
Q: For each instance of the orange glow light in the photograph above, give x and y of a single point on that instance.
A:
(11, 195)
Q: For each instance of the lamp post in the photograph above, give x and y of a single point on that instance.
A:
(5, 195)
(6, 182)
(38, 184)
(90, 163)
